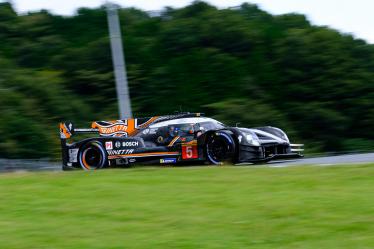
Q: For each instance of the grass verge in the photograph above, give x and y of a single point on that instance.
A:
(190, 207)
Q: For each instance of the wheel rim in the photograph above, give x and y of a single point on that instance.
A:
(217, 150)
(92, 158)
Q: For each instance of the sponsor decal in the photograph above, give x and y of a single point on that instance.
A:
(168, 160)
(118, 128)
(130, 143)
(73, 155)
(109, 145)
(132, 160)
(122, 128)
(120, 152)
(113, 129)
(118, 144)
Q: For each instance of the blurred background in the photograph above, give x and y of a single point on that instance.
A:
(240, 64)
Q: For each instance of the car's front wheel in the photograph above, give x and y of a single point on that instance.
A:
(92, 156)
(220, 148)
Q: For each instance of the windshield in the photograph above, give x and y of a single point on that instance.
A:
(184, 128)
(211, 125)
(181, 129)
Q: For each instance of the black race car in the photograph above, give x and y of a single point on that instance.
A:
(185, 137)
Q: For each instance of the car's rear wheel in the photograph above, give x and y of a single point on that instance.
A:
(92, 156)
(220, 148)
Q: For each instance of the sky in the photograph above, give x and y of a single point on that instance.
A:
(349, 16)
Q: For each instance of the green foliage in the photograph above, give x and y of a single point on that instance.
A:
(238, 65)
(31, 105)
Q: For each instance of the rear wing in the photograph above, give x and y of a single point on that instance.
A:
(67, 130)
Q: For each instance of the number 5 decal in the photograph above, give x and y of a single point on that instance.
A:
(189, 152)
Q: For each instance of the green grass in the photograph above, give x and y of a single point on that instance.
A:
(190, 207)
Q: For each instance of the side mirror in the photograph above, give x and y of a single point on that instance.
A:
(198, 133)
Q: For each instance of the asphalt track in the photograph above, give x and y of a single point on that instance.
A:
(327, 160)
(34, 165)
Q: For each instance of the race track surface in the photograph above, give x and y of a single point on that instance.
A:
(35, 165)
(326, 160)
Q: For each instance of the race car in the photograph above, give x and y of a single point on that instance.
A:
(171, 139)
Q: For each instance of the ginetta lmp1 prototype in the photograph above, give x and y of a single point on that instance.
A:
(184, 137)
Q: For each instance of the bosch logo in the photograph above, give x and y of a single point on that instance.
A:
(130, 144)
(118, 144)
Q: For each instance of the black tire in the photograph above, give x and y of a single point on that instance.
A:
(92, 156)
(220, 147)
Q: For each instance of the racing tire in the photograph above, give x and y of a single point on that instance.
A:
(220, 147)
(92, 156)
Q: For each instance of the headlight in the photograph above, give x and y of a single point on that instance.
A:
(252, 139)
